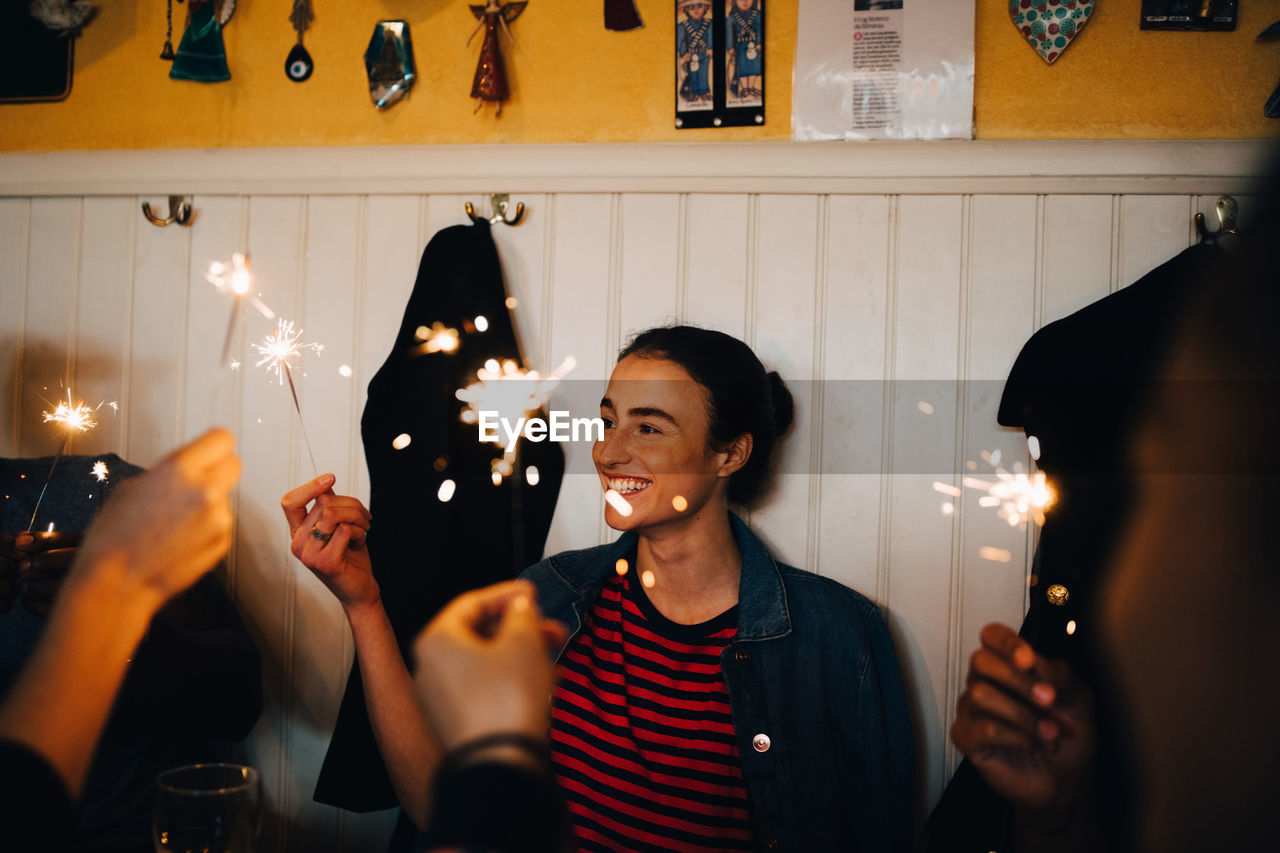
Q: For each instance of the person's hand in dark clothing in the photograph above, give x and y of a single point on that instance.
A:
(1027, 724)
(33, 565)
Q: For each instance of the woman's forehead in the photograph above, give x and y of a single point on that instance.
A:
(639, 382)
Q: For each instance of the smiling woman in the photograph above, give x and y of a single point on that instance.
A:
(710, 698)
(723, 701)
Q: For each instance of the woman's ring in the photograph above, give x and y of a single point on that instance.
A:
(323, 537)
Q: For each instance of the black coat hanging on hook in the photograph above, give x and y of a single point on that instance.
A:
(442, 524)
(719, 63)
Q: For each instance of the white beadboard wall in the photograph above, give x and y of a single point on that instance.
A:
(924, 261)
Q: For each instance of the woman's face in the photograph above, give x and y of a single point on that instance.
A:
(744, 5)
(654, 451)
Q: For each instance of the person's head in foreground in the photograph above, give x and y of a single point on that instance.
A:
(1191, 613)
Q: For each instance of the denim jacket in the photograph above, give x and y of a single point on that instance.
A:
(816, 696)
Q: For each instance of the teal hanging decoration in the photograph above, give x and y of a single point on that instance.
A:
(201, 55)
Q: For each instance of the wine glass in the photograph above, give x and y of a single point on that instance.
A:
(207, 808)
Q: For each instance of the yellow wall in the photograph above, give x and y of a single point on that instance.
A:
(572, 81)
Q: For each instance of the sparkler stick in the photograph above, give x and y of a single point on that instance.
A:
(73, 418)
(278, 349)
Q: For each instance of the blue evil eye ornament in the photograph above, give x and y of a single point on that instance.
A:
(298, 65)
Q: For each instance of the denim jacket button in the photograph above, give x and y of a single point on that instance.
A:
(761, 742)
(742, 654)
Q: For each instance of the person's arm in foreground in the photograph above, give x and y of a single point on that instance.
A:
(328, 533)
(484, 674)
(156, 535)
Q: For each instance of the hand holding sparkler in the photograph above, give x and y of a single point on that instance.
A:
(163, 529)
(1027, 724)
(328, 537)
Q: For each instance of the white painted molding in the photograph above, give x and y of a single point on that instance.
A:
(944, 167)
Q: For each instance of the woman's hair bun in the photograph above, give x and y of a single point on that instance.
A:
(784, 407)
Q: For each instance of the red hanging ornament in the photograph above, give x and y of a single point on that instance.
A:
(490, 82)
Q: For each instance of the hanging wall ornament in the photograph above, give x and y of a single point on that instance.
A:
(490, 82)
(1050, 25)
(719, 63)
(389, 63)
(621, 15)
(201, 55)
(298, 65)
(166, 53)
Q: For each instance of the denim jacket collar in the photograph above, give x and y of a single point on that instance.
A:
(763, 611)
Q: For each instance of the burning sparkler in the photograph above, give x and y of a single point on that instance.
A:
(99, 470)
(72, 417)
(234, 278)
(278, 350)
(1017, 497)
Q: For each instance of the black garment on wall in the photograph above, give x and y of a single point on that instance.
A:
(1080, 385)
(425, 551)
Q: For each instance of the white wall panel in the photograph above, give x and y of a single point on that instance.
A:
(716, 262)
(925, 370)
(1152, 230)
(157, 394)
(580, 285)
(786, 241)
(854, 335)
(650, 261)
(105, 294)
(266, 574)
(869, 304)
(49, 325)
(15, 218)
(1076, 237)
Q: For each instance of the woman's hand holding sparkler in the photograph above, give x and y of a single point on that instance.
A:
(328, 537)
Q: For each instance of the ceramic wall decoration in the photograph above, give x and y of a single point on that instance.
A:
(1050, 25)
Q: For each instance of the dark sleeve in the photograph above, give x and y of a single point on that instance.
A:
(35, 806)
(499, 808)
(197, 647)
(886, 745)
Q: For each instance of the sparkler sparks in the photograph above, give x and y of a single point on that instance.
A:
(99, 470)
(1016, 496)
(278, 350)
(281, 348)
(234, 277)
(75, 417)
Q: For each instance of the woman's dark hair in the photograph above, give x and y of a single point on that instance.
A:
(741, 396)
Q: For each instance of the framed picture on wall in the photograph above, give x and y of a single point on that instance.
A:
(719, 63)
(35, 62)
(1198, 15)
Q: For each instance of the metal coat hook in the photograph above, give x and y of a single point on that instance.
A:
(1226, 209)
(499, 203)
(179, 212)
